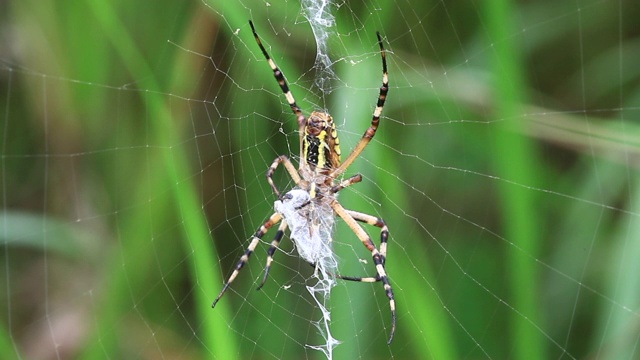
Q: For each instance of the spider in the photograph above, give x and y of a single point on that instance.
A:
(317, 187)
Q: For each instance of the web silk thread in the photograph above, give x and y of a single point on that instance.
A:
(318, 13)
(311, 224)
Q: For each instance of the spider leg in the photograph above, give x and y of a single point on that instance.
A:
(379, 257)
(290, 168)
(371, 131)
(384, 236)
(347, 182)
(274, 219)
(279, 75)
(377, 222)
(272, 250)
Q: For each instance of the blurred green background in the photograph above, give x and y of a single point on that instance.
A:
(135, 137)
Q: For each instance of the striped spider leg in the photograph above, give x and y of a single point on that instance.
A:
(316, 188)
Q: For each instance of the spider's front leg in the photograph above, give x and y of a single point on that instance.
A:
(379, 257)
(375, 120)
(282, 82)
(274, 219)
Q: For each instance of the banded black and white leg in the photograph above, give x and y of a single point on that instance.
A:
(282, 159)
(272, 249)
(279, 75)
(375, 119)
(273, 220)
(351, 218)
(347, 182)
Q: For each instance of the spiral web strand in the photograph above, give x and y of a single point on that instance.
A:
(126, 202)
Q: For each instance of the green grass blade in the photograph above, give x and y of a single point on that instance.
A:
(516, 161)
(213, 330)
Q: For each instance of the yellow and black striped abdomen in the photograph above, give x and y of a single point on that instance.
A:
(321, 145)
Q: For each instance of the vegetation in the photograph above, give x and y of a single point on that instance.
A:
(135, 137)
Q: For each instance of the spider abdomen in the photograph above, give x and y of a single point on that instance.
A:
(321, 146)
(310, 209)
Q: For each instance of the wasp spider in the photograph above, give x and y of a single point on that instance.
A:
(320, 165)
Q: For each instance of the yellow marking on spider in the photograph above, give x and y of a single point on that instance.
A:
(322, 145)
(316, 186)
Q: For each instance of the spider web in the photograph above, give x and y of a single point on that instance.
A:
(135, 139)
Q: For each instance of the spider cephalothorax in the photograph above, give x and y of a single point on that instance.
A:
(310, 207)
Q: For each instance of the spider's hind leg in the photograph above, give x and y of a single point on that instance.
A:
(351, 218)
(272, 250)
(274, 219)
